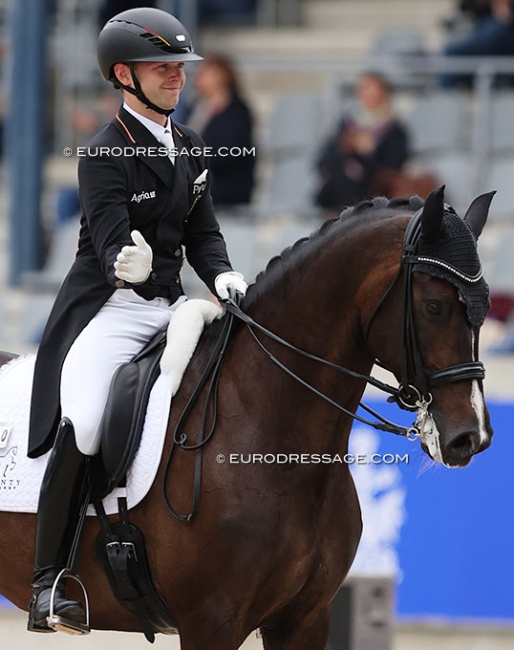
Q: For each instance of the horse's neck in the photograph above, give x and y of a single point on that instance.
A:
(314, 307)
(315, 303)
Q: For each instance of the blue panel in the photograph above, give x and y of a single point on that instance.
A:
(456, 546)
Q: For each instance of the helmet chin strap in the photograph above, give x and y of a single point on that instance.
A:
(138, 92)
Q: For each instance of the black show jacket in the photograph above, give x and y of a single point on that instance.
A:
(122, 188)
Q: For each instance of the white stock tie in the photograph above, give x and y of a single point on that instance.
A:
(167, 141)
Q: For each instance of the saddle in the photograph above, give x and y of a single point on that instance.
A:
(122, 423)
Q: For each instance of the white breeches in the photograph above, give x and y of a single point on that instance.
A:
(113, 337)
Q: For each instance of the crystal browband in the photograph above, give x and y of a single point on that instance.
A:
(472, 279)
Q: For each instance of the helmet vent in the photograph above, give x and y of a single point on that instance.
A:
(156, 40)
(161, 44)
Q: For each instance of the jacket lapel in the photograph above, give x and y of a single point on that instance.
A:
(138, 135)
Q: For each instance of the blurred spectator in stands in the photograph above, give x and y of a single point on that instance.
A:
(224, 120)
(491, 35)
(475, 9)
(466, 14)
(368, 141)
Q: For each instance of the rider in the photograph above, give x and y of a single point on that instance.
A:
(138, 212)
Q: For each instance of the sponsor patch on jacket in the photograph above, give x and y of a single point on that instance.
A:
(200, 183)
(143, 196)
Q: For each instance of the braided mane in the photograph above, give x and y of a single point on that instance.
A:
(379, 207)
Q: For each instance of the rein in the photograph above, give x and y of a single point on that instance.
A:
(213, 370)
(384, 424)
(413, 393)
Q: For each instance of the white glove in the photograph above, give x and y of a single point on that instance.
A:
(134, 263)
(230, 280)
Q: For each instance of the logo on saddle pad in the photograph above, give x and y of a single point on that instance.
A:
(143, 196)
(7, 466)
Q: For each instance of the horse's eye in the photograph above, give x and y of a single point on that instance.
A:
(433, 307)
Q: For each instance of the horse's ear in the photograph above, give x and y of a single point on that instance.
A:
(478, 211)
(432, 223)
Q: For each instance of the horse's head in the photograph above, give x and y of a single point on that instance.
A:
(441, 301)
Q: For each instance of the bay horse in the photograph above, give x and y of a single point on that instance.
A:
(271, 543)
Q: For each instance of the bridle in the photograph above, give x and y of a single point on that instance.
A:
(413, 392)
(415, 384)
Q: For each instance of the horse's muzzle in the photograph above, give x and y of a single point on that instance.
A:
(459, 449)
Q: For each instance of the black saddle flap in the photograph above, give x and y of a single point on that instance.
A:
(122, 551)
(123, 419)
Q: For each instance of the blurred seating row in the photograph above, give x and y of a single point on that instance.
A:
(445, 120)
(441, 128)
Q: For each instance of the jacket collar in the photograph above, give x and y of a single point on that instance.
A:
(136, 134)
(157, 130)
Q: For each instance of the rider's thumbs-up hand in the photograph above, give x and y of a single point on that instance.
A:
(134, 263)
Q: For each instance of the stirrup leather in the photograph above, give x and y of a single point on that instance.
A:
(61, 623)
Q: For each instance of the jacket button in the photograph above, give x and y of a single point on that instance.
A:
(177, 280)
(119, 284)
(153, 277)
(178, 252)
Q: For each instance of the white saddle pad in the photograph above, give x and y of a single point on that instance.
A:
(21, 477)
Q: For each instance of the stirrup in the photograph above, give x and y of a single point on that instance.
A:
(61, 623)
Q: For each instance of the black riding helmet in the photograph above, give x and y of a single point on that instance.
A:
(142, 34)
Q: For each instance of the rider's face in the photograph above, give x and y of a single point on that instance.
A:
(161, 81)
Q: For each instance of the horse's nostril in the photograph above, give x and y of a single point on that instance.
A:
(463, 444)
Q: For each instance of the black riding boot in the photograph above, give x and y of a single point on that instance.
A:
(63, 494)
